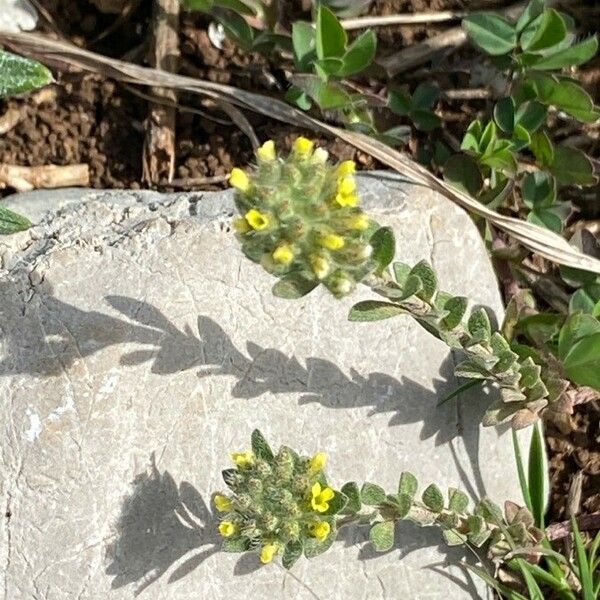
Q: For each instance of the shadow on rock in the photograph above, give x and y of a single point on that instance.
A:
(48, 336)
(160, 523)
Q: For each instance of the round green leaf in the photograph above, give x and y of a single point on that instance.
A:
(331, 39)
(382, 536)
(19, 75)
(582, 363)
(462, 172)
(360, 54)
(550, 31)
(504, 114)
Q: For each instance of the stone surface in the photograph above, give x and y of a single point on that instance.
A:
(138, 348)
(17, 15)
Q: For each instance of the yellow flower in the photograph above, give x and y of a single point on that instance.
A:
(227, 528)
(321, 497)
(268, 553)
(266, 152)
(243, 459)
(318, 462)
(283, 254)
(346, 186)
(320, 266)
(332, 241)
(257, 220)
(320, 530)
(359, 222)
(222, 503)
(351, 200)
(320, 156)
(239, 180)
(345, 168)
(241, 225)
(303, 147)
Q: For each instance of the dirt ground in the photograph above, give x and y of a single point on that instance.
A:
(88, 119)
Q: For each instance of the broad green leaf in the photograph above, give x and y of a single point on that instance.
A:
(550, 31)
(573, 56)
(565, 95)
(373, 310)
(299, 97)
(538, 189)
(327, 67)
(533, 10)
(360, 54)
(582, 363)
(201, 5)
(425, 120)
(531, 115)
(400, 103)
(428, 278)
(293, 286)
(331, 39)
(550, 218)
(425, 96)
(11, 222)
(491, 33)
(236, 27)
(576, 327)
(260, 446)
(433, 498)
(407, 485)
(384, 247)
(337, 504)
(235, 545)
(372, 494)
(291, 553)
(458, 501)
(572, 166)
(456, 307)
(504, 114)
(542, 148)
(382, 536)
(462, 172)
(488, 137)
(582, 301)
(351, 491)
(453, 537)
(313, 547)
(303, 38)
(19, 75)
(240, 7)
(479, 324)
(327, 95)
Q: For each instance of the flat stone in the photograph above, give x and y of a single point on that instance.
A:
(138, 347)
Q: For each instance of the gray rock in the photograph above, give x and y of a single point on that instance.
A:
(138, 348)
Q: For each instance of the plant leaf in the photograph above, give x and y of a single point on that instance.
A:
(491, 33)
(331, 39)
(572, 166)
(360, 54)
(374, 310)
(382, 536)
(384, 247)
(462, 172)
(573, 56)
(20, 75)
(11, 222)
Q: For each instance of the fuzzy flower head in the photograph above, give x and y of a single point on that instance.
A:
(300, 218)
(278, 504)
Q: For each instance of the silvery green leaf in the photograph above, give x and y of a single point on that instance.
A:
(20, 75)
(458, 501)
(428, 278)
(313, 547)
(479, 324)
(351, 491)
(456, 307)
(235, 544)
(382, 536)
(408, 484)
(292, 552)
(454, 538)
(372, 494)
(260, 447)
(433, 498)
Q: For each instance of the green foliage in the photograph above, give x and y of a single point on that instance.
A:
(325, 51)
(20, 75)
(11, 222)
(540, 41)
(418, 107)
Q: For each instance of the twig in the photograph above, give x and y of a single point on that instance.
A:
(557, 531)
(187, 182)
(406, 19)
(468, 94)
(10, 119)
(159, 145)
(25, 179)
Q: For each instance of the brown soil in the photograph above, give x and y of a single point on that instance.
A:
(101, 123)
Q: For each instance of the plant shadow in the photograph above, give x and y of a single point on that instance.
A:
(50, 337)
